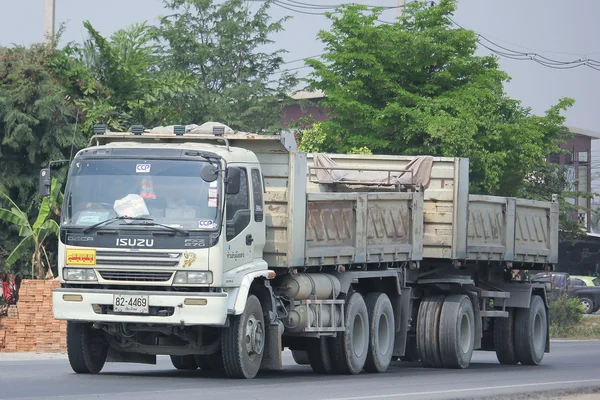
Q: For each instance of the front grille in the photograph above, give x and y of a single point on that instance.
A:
(137, 259)
(136, 276)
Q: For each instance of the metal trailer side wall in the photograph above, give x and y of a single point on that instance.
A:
(444, 199)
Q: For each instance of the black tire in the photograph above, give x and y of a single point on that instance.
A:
(300, 357)
(428, 322)
(596, 309)
(243, 342)
(350, 347)
(210, 362)
(587, 305)
(531, 332)
(184, 363)
(457, 331)
(319, 355)
(87, 348)
(504, 339)
(381, 332)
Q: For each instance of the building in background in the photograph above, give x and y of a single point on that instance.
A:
(578, 161)
(309, 107)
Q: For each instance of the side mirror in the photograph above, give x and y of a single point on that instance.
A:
(45, 182)
(209, 173)
(233, 180)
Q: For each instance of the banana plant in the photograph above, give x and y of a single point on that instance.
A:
(34, 236)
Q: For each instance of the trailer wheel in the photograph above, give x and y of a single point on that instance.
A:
(457, 331)
(381, 332)
(428, 324)
(300, 357)
(531, 332)
(243, 342)
(319, 355)
(184, 362)
(87, 348)
(504, 339)
(351, 346)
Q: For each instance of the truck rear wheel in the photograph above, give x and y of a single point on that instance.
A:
(351, 346)
(87, 348)
(457, 331)
(243, 342)
(504, 339)
(184, 362)
(381, 332)
(531, 332)
(319, 355)
(428, 322)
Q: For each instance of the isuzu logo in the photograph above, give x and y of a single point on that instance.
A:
(135, 242)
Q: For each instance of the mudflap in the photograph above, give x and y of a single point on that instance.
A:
(272, 358)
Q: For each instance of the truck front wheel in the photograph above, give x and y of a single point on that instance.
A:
(243, 342)
(87, 348)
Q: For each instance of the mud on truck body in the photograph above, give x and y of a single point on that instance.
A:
(223, 249)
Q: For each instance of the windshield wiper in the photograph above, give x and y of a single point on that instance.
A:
(150, 222)
(111, 220)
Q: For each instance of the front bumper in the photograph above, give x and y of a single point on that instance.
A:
(214, 312)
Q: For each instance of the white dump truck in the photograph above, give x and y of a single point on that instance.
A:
(221, 249)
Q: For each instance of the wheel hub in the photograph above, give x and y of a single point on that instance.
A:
(255, 335)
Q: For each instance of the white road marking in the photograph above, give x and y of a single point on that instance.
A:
(481, 388)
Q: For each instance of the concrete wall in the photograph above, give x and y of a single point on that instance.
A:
(30, 325)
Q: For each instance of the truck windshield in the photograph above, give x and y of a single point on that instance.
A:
(170, 192)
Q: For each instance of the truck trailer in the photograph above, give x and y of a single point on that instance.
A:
(221, 249)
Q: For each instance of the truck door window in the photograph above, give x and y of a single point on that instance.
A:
(257, 191)
(238, 208)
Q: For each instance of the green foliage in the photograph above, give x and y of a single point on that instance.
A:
(118, 80)
(219, 45)
(416, 87)
(33, 237)
(565, 313)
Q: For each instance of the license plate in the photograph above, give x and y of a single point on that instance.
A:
(124, 303)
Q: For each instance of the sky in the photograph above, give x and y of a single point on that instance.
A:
(555, 29)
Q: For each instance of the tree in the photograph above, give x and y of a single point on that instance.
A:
(235, 82)
(416, 87)
(38, 123)
(33, 236)
(118, 81)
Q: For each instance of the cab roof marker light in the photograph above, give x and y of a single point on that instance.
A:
(179, 130)
(218, 130)
(99, 129)
(137, 129)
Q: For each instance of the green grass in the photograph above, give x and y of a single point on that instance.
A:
(588, 328)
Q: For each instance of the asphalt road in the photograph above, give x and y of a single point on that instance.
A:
(570, 365)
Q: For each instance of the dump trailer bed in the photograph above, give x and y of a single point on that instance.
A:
(323, 222)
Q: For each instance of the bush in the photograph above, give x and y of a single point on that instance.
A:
(565, 314)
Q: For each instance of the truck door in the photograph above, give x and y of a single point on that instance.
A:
(239, 235)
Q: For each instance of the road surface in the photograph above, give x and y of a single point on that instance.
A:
(570, 365)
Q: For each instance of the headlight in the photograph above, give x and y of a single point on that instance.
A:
(79, 274)
(192, 277)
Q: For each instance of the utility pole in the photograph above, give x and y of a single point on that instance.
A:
(401, 4)
(49, 16)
